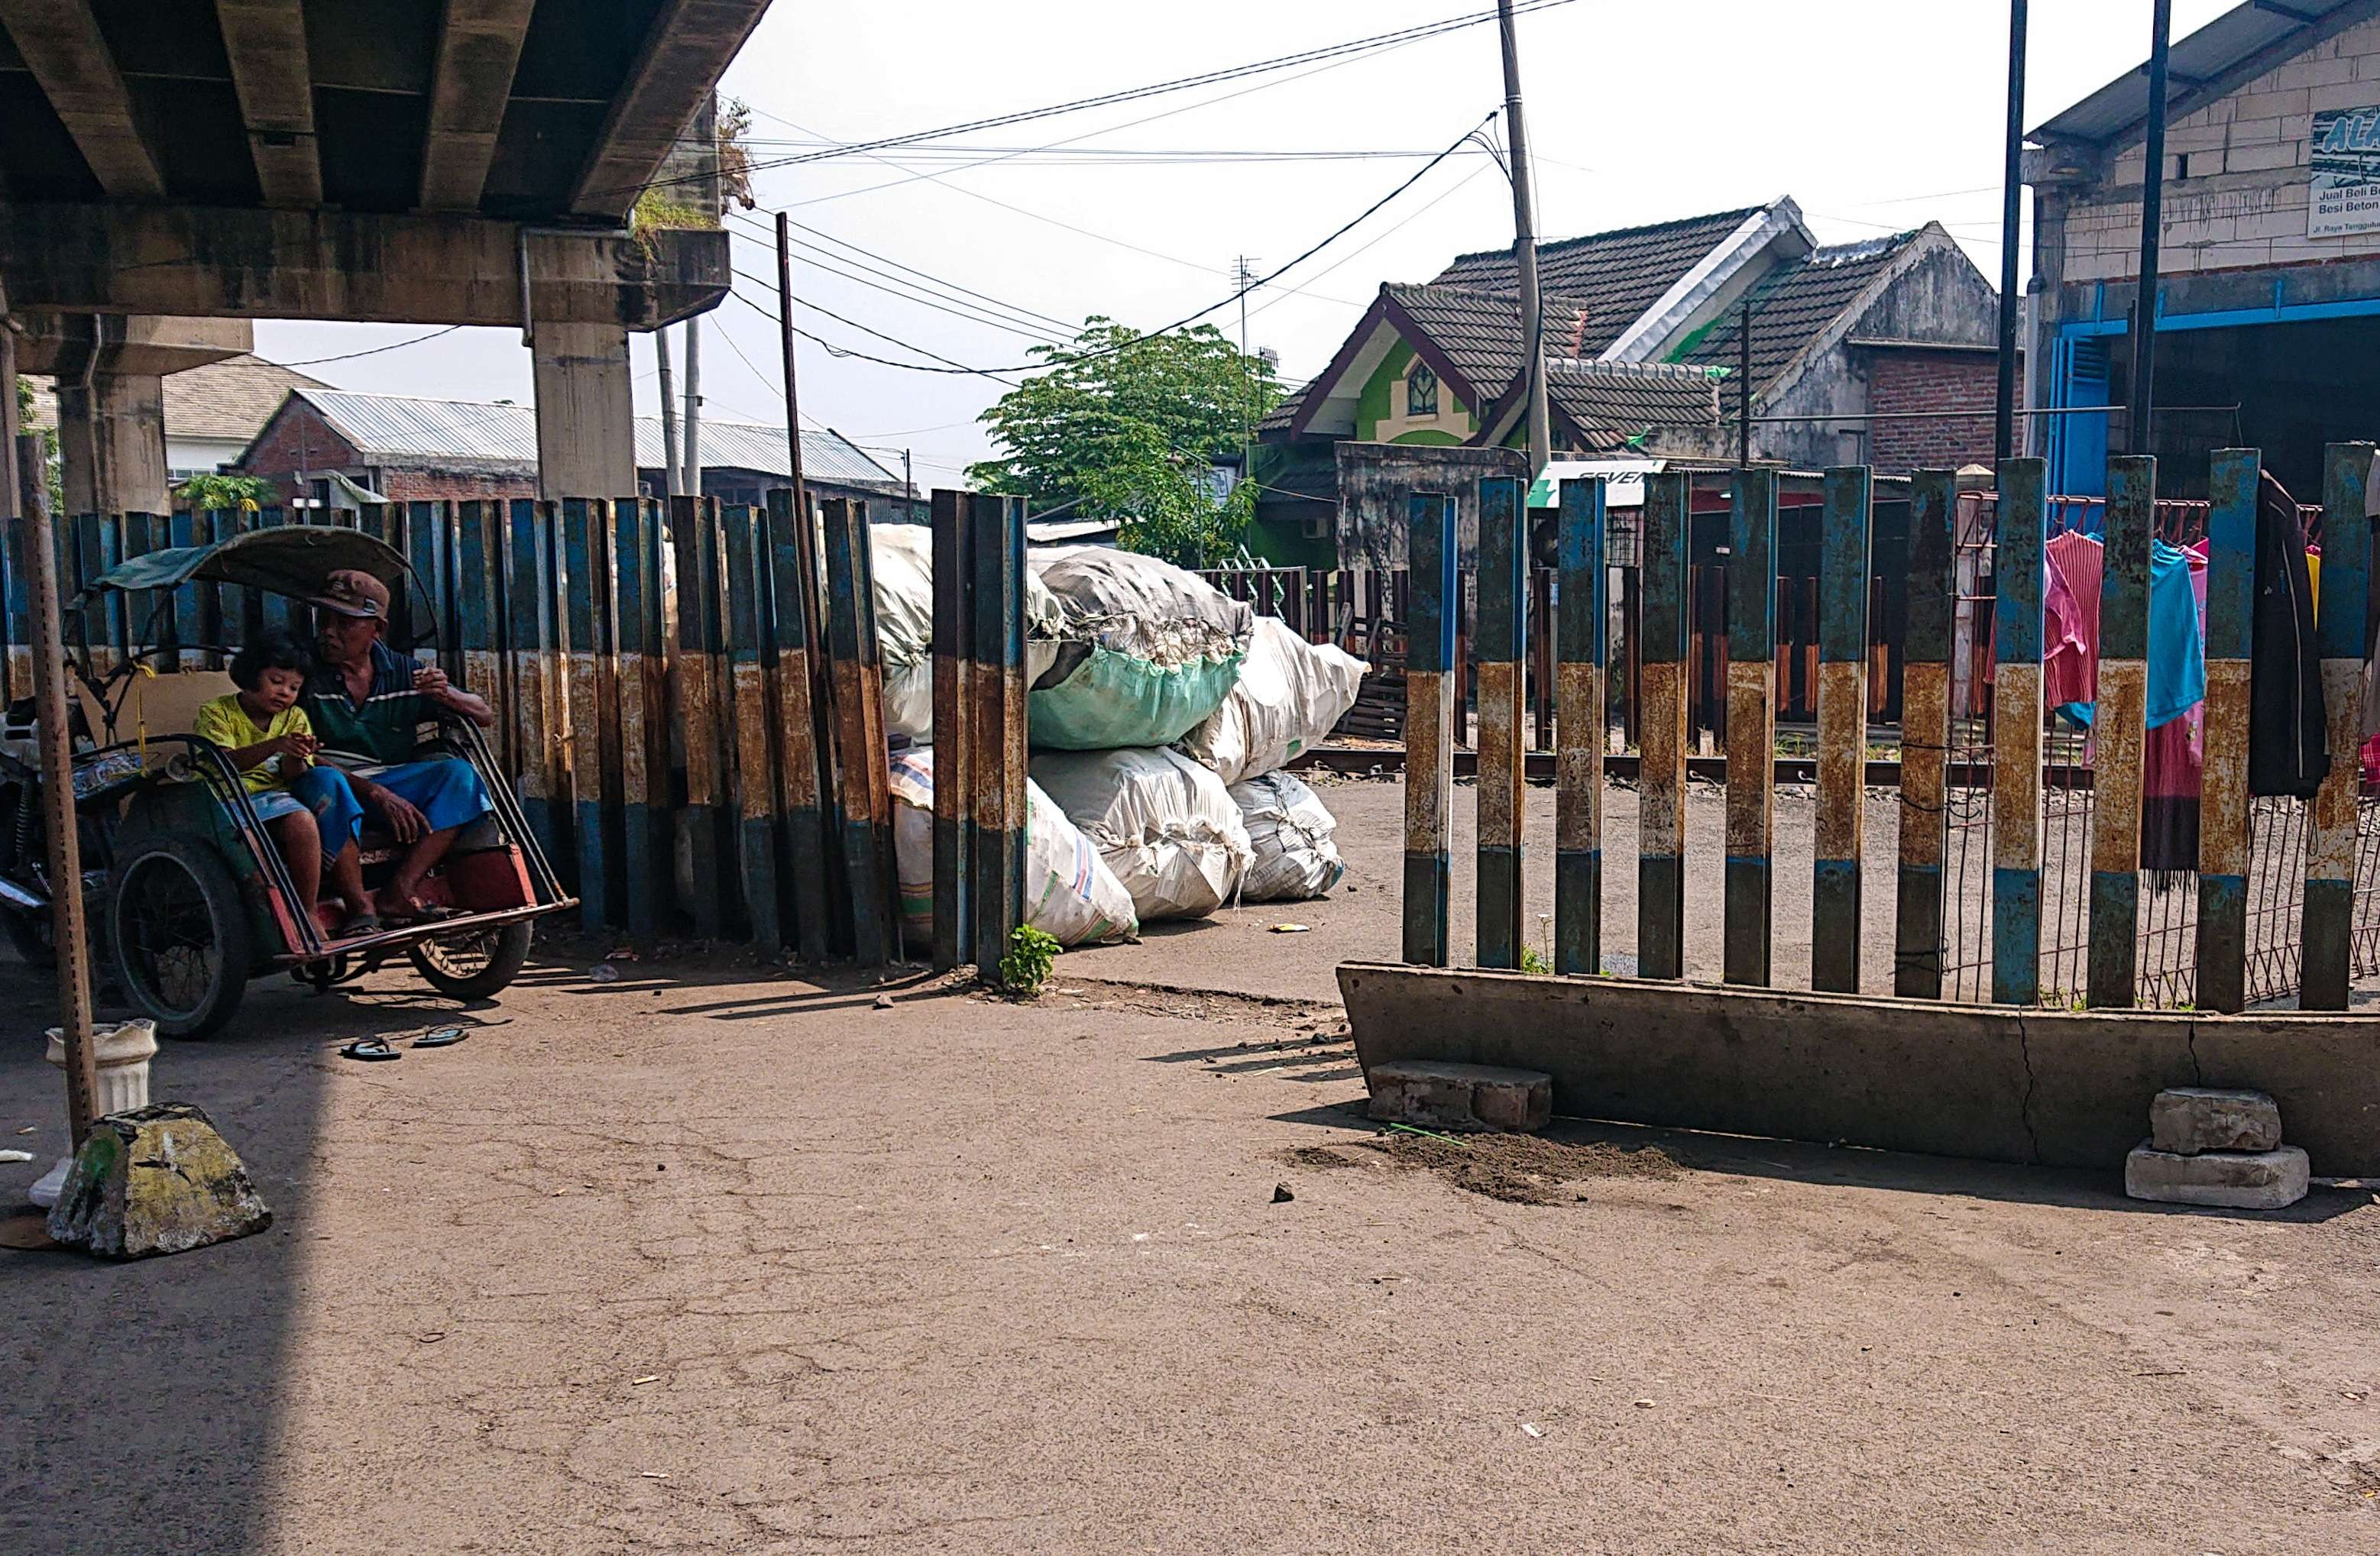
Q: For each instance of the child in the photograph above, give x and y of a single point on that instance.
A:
(266, 735)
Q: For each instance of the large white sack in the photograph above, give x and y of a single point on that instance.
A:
(1290, 696)
(902, 557)
(1288, 832)
(1069, 894)
(1166, 826)
(1149, 651)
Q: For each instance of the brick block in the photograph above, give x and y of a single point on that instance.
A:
(2264, 1180)
(1432, 1095)
(2189, 1119)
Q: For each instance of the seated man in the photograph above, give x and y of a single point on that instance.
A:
(366, 701)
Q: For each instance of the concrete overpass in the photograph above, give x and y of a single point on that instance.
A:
(169, 171)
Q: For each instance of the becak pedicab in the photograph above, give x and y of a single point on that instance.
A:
(187, 893)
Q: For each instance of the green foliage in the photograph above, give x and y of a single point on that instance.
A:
(224, 494)
(1534, 964)
(1025, 965)
(1125, 428)
(49, 450)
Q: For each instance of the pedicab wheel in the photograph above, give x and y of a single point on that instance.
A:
(181, 936)
(473, 964)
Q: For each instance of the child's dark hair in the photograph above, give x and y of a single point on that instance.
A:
(272, 648)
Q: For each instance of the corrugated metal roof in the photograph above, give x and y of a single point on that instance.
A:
(2223, 45)
(400, 429)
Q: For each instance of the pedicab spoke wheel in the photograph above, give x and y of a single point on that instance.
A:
(181, 935)
(472, 963)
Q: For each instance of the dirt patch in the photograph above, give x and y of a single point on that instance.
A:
(1522, 1169)
(1321, 1158)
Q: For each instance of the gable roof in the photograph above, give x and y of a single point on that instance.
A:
(1614, 276)
(1611, 406)
(2235, 48)
(1793, 304)
(1479, 332)
(396, 429)
(233, 398)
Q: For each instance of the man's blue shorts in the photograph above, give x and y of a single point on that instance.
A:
(447, 792)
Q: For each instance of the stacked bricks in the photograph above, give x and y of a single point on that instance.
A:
(1901, 381)
(2215, 1147)
(1431, 1095)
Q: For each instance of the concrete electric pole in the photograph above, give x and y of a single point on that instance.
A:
(1524, 251)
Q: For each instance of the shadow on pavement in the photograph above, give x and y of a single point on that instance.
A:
(1901, 1172)
(145, 1400)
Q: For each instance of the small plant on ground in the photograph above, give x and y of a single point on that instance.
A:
(1025, 967)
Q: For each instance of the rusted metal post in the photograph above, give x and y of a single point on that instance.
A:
(2328, 934)
(697, 690)
(859, 737)
(1542, 674)
(751, 707)
(479, 543)
(809, 845)
(583, 522)
(1751, 726)
(953, 728)
(996, 775)
(426, 524)
(530, 603)
(2223, 836)
(1503, 741)
(1925, 737)
(1430, 727)
(64, 855)
(636, 645)
(1579, 731)
(1661, 774)
(2118, 732)
(2016, 734)
(1836, 885)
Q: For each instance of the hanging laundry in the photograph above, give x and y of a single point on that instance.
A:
(2069, 669)
(2173, 751)
(2287, 736)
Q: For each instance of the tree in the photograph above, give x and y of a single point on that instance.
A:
(224, 494)
(1126, 428)
(49, 449)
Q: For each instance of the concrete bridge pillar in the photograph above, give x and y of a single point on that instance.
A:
(111, 443)
(586, 416)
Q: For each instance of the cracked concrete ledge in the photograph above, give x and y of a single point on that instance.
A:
(2054, 1088)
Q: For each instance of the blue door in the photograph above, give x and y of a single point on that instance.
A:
(2078, 444)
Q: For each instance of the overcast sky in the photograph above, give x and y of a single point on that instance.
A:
(1875, 114)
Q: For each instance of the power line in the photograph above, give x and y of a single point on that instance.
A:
(910, 290)
(1053, 357)
(375, 351)
(1129, 94)
(924, 275)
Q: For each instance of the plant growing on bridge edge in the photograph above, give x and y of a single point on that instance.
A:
(1025, 966)
(224, 494)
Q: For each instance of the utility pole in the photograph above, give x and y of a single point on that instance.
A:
(1744, 386)
(793, 404)
(1244, 275)
(2011, 206)
(691, 465)
(1524, 250)
(672, 482)
(2151, 223)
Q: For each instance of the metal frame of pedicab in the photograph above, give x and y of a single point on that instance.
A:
(237, 562)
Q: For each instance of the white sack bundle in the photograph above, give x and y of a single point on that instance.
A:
(1290, 696)
(1070, 893)
(1289, 834)
(1166, 826)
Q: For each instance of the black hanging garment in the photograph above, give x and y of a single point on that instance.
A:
(2287, 738)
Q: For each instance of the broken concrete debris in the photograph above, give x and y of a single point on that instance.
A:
(156, 1180)
(2217, 1147)
(2189, 1119)
(1450, 1096)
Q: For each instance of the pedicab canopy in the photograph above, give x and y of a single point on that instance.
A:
(287, 560)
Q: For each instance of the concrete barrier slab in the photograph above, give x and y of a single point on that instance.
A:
(2004, 1084)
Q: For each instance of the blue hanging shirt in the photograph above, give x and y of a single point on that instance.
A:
(2176, 649)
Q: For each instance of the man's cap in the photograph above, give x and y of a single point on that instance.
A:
(352, 592)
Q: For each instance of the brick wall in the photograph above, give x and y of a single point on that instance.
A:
(298, 438)
(2236, 172)
(1931, 381)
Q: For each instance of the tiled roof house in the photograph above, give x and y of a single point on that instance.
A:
(1643, 337)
